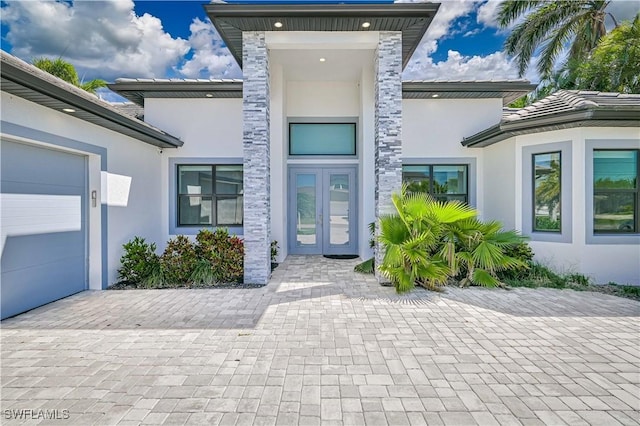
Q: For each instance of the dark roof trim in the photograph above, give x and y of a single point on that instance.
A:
(392, 14)
(508, 90)
(89, 108)
(137, 91)
(592, 117)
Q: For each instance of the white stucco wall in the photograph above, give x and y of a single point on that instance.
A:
(603, 263)
(435, 128)
(499, 185)
(323, 99)
(125, 156)
(209, 128)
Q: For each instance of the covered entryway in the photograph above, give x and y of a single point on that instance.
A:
(322, 210)
(43, 223)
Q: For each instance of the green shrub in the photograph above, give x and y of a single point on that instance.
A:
(178, 260)
(274, 251)
(138, 261)
(203, 273)
(224, 252)
(521, 251)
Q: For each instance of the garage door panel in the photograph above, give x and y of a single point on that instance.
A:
(40, 287)
(42, 166)
(20, 252)
(43, 226)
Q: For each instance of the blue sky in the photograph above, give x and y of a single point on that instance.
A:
(157, 39)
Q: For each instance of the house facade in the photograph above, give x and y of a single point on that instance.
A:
(306, 150)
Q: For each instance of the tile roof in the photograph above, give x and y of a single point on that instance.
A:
(562, 110)
(572, 100)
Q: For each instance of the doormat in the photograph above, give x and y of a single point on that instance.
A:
(341, 256)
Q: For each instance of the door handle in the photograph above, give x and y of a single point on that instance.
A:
(320, 219)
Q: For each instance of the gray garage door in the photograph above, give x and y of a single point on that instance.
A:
(43, 226)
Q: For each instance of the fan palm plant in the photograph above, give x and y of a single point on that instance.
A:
(412, 239)
(429, 242)
(481, 252)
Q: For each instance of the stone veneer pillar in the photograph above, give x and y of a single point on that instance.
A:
(388, 126)
(257, 198)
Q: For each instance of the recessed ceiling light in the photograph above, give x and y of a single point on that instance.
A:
(435, 96)
(209, 95)
(366, 24)
(68, 110)
(322, 59)
(278, 24)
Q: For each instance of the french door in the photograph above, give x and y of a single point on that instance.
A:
(322, 210)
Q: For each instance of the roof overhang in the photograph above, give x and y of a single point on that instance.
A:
(508, 90)
(592, 117)
(412, 19)
(139, 90)
(26, 81)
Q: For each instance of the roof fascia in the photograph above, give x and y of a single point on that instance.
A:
(624, 115)
(33, 82)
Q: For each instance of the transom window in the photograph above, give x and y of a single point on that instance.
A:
(443, 182)
(322, 139)
(615, 191)
(210, 195)
(547, 191)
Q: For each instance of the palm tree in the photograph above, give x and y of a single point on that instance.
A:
(428, 242)
(67, 72)
(550, 26)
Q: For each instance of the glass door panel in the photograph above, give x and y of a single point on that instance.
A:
(339, 187)
(306, 210)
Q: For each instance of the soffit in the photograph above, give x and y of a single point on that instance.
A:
(412, 19)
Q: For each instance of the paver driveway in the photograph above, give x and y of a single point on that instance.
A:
(320, 344)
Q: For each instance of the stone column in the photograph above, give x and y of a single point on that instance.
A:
(388, 126)
(257, 199)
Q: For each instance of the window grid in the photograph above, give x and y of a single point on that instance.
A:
(631, 226)
(431, 179)
(213, 196)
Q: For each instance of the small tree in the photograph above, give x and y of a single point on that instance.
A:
(67, 72)
(614, 66)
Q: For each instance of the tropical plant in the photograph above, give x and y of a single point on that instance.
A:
(482, 253)
(614, 65)
(429, 242)
(67, 72)
(419, 240)
(549, 26)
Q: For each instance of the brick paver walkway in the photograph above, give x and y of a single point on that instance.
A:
(321, 344)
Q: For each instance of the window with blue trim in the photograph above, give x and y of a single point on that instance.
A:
(209, 195)
(445, 182)
(615, 191)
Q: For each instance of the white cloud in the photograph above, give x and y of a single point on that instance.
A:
(495, 66)
(209, 58)
(104, 39)
(487, 14)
